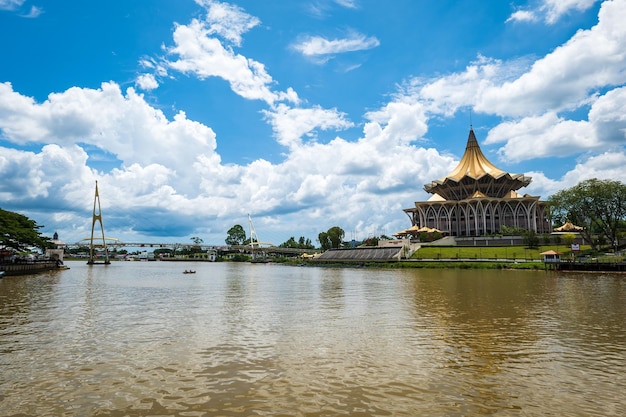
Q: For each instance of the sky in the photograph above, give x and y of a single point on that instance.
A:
(192, 115)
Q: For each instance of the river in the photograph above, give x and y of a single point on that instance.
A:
(239, 339)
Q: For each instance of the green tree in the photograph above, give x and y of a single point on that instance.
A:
(371, 241)
(324, 241)
(236, 235)
(302, 243)
(335, 235)
(305, 243)
(597, 205)
(290, 243)
(569, 238)
(19, 232)
(531, 239)
(197, 241)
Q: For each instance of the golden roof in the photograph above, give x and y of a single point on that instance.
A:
(474, 163)
(568, 227)
(476, 177)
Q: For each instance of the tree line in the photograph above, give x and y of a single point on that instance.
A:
(599, 206)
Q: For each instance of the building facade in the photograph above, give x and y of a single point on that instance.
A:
(478, 199)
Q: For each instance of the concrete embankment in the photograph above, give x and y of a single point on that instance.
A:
(29, 268)
(592, 266)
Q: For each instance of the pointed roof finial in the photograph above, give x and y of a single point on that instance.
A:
(470, 114)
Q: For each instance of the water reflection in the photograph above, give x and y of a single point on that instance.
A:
(141, 339)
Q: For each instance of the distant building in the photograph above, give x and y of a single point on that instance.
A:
(58, 244)
(477, 199)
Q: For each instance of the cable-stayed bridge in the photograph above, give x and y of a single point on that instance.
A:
(255, 247)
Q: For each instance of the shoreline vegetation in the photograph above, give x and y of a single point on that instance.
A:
(453, 257)
(481, 257)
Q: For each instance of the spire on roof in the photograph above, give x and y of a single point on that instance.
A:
(475, 172)
(474, 163)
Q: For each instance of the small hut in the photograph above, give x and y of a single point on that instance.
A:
(551, 257)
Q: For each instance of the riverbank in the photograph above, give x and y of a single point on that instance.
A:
(30, 267)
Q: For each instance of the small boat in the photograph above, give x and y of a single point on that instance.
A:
(2, 274)
(189, 272)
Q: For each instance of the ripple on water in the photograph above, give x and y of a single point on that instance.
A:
(137, 340)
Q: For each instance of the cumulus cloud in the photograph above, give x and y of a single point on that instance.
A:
(124, 125)
(203, 56)
(147, 82)
(170, 172)
(608, 117)
(565, 78)
(534, 98)
(542, 136)
(290, 125)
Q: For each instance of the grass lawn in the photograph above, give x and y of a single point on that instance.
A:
(490, 252)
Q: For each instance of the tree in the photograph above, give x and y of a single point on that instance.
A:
(19, 232)
(531, 239)
(197, 241)
(597, 205)
(324, 241)
(236, 235)
(335, 235)
(569, 238)
(291, 243)
(305, 243)
(332, 238)
(371, 241)
(302, 243)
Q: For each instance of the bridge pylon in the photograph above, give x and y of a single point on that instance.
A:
(97, 217)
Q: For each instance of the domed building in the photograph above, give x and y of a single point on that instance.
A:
(477, 199)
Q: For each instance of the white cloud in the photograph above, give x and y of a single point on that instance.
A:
(608, 117)
(555, 9)
(532, 98)
(549, 135)
(607, 165)
(522, 16)
(444, 95)
(398, 123)
(124, 125)
(350, 4)
(11, 4)
(542, 136)
(551, 10)
(170, 172)
(147, 82)
(565, 78)
(227, 20)
(291, 124)
(204, 57)
(313, 46)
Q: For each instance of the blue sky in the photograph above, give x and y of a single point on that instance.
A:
(305, 114)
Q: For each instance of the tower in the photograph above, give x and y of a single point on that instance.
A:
(97, 217)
